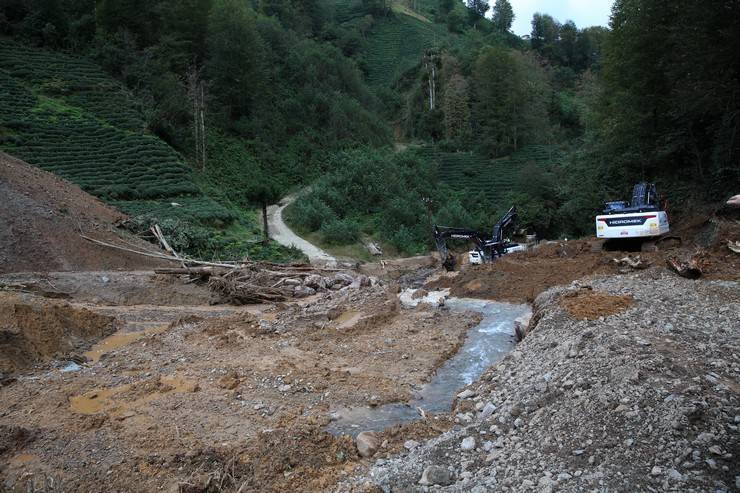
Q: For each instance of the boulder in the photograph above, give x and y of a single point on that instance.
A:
(315, 281)
(435, 475)
(342, 278)
(367, 443)
(303, 291)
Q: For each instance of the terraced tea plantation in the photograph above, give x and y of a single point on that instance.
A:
(65, 115)
(492, 177)
(397, 42)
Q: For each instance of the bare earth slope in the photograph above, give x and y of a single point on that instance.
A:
(41, 216)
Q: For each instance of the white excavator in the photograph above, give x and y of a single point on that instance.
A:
(640, 218)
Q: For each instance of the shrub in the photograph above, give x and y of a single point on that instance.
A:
(340, 231)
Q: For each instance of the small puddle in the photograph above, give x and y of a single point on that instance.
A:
(94, 401)
(484, 345)
(348, 319)
(99, 400)
(120, 339)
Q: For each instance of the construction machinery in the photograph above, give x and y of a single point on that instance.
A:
(487, 247)
(642, 217)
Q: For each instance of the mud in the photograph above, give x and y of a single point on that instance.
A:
(42, 216)
(34, 331)
(588, 305)
(188, 397)
(522, 276)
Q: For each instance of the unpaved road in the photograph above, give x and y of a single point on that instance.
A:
(280, 232)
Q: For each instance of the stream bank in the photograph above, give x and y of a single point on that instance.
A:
(485, 344)
(644, 398)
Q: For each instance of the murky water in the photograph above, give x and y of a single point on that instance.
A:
(486, 343)
(120, 339)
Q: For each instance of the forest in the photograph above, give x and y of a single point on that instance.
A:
(390, 115)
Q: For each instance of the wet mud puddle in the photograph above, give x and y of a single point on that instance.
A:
(484, 345)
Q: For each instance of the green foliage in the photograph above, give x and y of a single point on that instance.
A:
(510, 95)
(503, 15)
(358, 195)
(667, 111)
(235, 63)
(340, 231)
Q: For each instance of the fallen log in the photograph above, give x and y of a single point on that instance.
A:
(200, 271)
(689, 270)
(158, 255)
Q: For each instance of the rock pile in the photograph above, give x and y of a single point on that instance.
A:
(645, 399)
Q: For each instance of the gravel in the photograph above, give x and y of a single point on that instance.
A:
(642, 400)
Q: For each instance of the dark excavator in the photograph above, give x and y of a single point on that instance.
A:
(487, 247)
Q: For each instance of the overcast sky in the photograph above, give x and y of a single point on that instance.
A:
(583, 12)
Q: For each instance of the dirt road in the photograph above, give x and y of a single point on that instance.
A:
(280, 232)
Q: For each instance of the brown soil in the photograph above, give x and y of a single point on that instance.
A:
(588, 305)
(110, 287)
(32, 333)
(520, 277)
(40, 220)
(221, 403)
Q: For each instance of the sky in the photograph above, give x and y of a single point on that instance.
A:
(584, 13)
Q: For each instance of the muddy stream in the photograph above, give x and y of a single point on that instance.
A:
(485, 344)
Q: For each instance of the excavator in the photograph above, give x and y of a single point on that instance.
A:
(487, 248)
(641, 218)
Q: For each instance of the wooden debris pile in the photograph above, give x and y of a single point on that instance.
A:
(261, 282)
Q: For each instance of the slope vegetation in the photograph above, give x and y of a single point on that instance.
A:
(494, 178)
(65, 115)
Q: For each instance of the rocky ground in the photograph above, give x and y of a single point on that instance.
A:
(644, 397)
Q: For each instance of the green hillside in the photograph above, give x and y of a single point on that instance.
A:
(65, 115)
(397, 41)
(396, 45)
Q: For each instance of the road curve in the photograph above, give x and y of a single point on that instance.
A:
(280, 232)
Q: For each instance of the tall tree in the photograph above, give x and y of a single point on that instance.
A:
(545, 35)
(568, 44)
(503, 15)
(236, 51)
(497, 83)
(670, 108)
(477, 10)
(263, 191)
(456, 107)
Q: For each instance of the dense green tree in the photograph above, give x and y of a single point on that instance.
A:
(497, 82)
(545, 35)
(456, 108)
(235, 49)
(568, 44)
(476, 10)
(503, 15)
(445, 6)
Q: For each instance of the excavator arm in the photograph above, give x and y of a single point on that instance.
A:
(491, 247)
